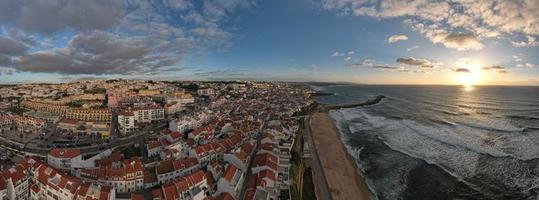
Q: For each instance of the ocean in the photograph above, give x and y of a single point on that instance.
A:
(442, 142)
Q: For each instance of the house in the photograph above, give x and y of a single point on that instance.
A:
(64, 159)
(126, 122)
(232, 181)
(169, 170)
(241, 156)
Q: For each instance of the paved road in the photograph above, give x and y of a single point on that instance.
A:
(319, 179)
(118, 142)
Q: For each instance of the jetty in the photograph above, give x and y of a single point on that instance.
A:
(327, 107)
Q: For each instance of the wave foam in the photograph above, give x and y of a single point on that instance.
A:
(457, 149)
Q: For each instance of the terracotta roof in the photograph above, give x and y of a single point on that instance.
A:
(64, 153)
(230, 172)
(149, 177)
(170, 192)
(266, 159)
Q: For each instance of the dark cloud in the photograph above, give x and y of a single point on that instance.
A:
(383, 67)
(462, 41)
(462, 70)
(119, 37)
(417, 62)
(98, 53)
(221, 73)
(22, 37)
(503, 71)
(370, 63)
(5, 60)
(51, 16)
(495, 67)
(11, 47)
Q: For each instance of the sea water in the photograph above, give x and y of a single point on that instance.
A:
(442, 142)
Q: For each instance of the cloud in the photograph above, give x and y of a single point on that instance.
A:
(530, 42)
(423, 63)
(351, 53)
(494, 67)
(371, 63)
(503, 71)
(462, 41)
(47, 17)
(5, 71)
(119, 37)
(98, 53)
(517, 58)
(529, 65)
(396, 38)
(222, 73)
(483, 19)
(338, 54)
(11, 47)
(412, 48)
(462, 70)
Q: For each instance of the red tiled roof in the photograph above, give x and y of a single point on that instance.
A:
(170, 192)
(266, 159)
(230, 172)
(64, 153)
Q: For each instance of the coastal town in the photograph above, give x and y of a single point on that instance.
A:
(134, 139)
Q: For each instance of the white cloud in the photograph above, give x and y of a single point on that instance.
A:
(339, 54)
(348, 58)
(530, 42)
(396, 38)
(423, 63)
(412, 48)
(529, 65)
(517, 58)
(483, 19)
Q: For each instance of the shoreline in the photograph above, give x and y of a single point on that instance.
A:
(339, 167)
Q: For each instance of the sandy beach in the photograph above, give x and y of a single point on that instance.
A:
(339, 168)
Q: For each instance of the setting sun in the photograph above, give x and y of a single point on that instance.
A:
(468, 71)
(469, 79)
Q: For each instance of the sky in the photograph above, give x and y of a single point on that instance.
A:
(463, 42)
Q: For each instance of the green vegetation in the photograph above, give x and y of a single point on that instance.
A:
(191, 87)
(296, 165)
(76, 104)
(10, 98)
(95, 91)
(306, 110)
(308, 185)
(17, 110)
(131, 151)
(105, 102)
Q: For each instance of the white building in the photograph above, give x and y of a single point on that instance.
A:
(169, 170)
(149, 114)
(231, 181)
(205, 92)
(64, 159)
(126, 122)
